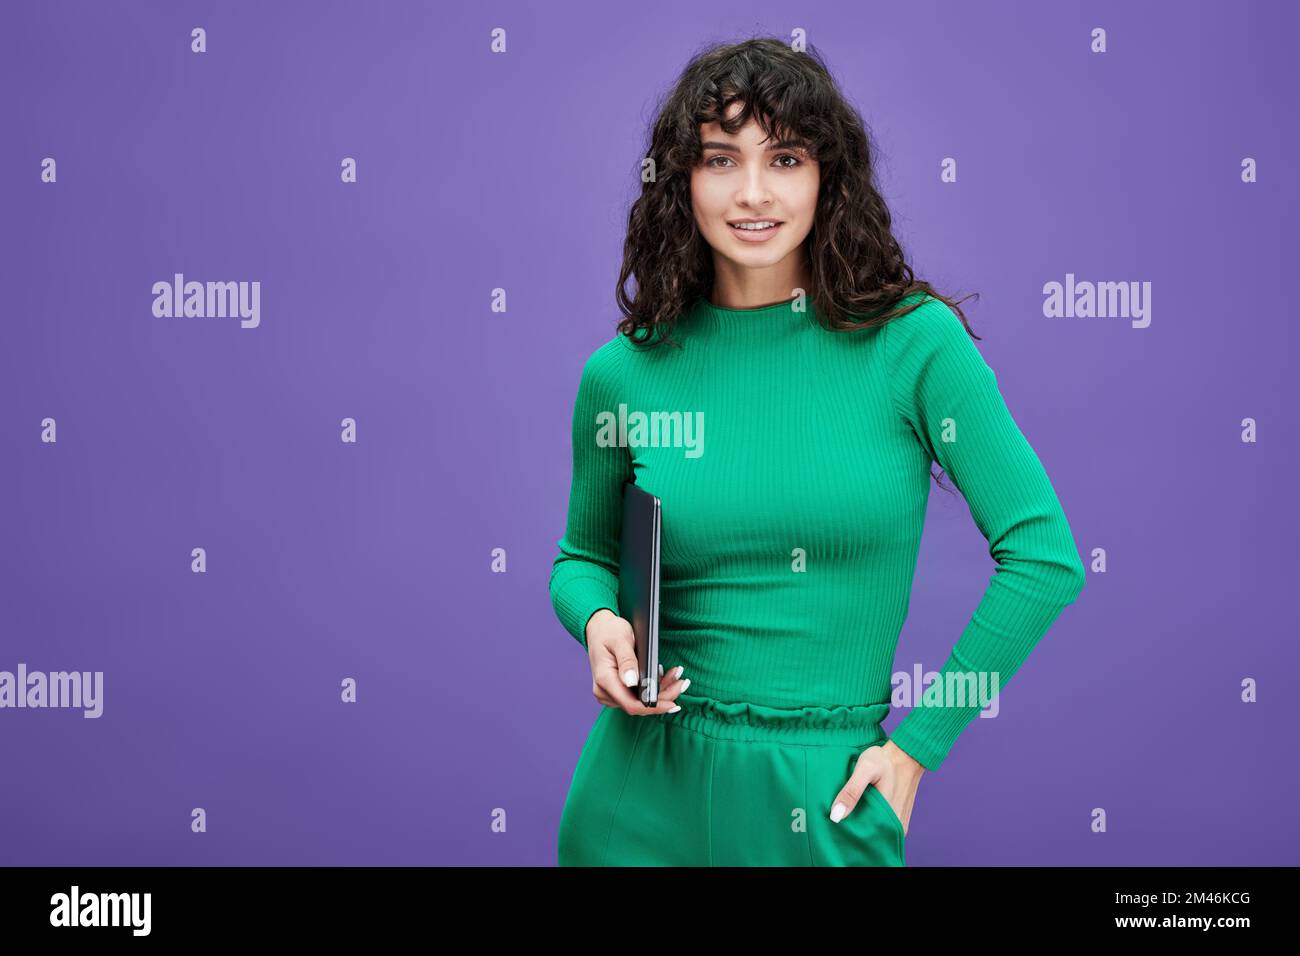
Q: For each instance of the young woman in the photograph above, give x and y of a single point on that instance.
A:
(774, 305)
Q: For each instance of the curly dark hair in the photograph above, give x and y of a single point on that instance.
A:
(857, 267)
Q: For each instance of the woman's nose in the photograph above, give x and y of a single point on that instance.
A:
(755, 191)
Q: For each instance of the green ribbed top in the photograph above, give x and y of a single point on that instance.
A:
(792, 518)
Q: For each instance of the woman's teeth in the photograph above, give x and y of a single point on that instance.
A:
(754, 226)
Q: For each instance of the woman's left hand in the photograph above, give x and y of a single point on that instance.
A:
(890, 770)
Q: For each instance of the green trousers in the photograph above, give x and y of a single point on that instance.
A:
(727, 784)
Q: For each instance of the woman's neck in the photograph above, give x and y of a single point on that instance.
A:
(737, 288)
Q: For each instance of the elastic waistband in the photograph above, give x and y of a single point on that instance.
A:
(811, 725)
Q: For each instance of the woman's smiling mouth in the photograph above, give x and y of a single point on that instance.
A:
(754, 230)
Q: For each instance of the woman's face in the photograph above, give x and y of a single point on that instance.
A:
(743, 178)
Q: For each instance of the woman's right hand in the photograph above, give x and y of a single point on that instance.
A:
(611, 649)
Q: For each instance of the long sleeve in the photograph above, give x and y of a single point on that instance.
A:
(943, 388)
(584, 577)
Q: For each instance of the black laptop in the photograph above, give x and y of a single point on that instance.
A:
(638, 583)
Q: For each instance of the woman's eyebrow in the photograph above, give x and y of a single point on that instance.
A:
(783, 144)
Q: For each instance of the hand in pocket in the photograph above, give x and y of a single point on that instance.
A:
(873, 769)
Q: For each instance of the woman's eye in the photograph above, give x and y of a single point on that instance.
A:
(714, 161)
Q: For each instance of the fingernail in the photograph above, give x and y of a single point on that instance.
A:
(681, 669)
(675, 708)
(661, 670)
(629, 677)
(837, 812)
(685, 685)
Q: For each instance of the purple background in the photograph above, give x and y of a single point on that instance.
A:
(478, 171)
